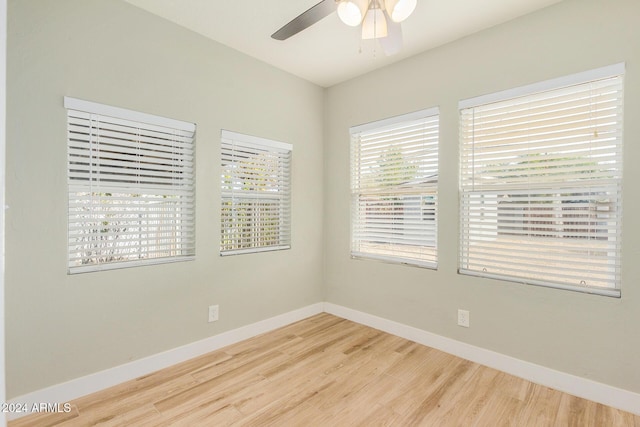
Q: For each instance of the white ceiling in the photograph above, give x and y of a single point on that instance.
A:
(330, 52)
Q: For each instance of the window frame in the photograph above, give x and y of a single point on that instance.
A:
(515, 94)
(357, 238)
(182, 185)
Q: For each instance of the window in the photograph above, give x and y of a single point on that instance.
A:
(394, 189)
(541, 175)
(256, 194)
(131, 188)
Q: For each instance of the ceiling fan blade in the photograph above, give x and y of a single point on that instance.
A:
(393, 42)
(305, 20)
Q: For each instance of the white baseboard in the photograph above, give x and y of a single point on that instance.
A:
(571, 384)
(577, 386)
(62, 393)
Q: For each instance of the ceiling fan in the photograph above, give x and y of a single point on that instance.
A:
(380, 19)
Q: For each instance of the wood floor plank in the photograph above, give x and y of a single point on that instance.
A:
(474, 402)
(378, 416)
(288, 384)
(433, 409)
(427, 376)
(572, 412)
(352, 383)
(145, 415)
(213, 414)
(328, 371)
(501, 410)
(217, 388)
(131, 398)
(540, 407)
(285, 407)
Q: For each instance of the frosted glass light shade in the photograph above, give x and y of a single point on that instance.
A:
(351, 12)
(374, 25)
(399, 10)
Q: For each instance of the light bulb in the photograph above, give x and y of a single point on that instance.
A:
(399, 10)
(351, 12)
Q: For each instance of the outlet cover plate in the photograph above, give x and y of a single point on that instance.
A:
(213, 313)
(463, 318)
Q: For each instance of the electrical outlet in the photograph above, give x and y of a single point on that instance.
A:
(213, 313)
(463, 318)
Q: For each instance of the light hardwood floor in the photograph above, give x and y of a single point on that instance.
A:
(327, 371)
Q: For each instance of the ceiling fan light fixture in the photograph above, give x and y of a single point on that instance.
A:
(352, 12)
(399, 10)
(374, 25)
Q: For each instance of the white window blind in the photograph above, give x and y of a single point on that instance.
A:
(131, 188)
(541, 175)
(394, 189)
(256, 194)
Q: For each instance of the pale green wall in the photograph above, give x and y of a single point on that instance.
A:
(61, 327)
(590, 336)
